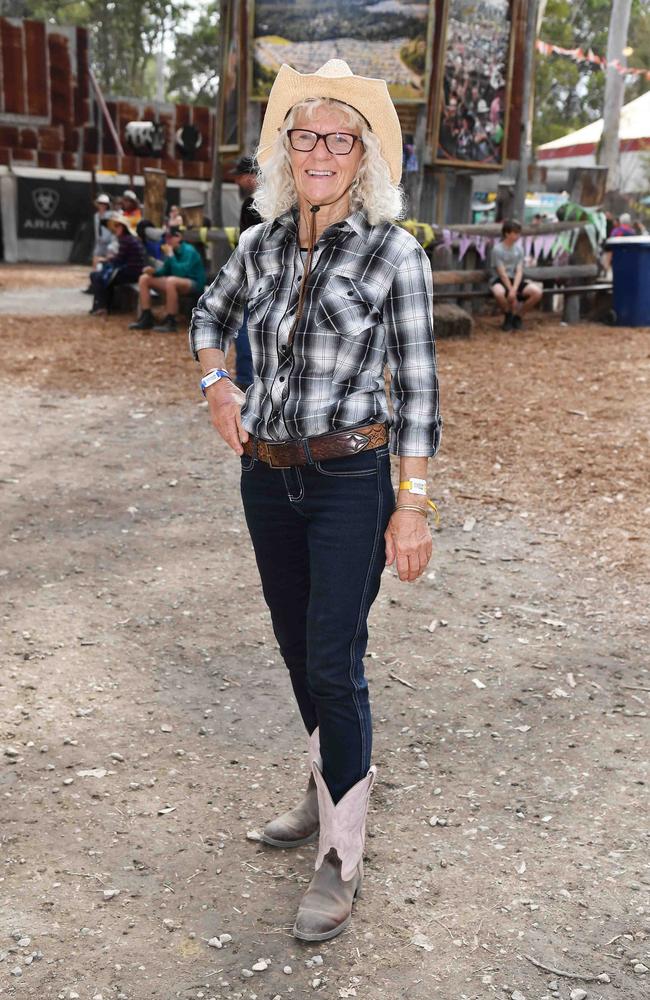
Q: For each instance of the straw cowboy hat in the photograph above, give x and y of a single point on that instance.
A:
(337, 81)
(117, 219)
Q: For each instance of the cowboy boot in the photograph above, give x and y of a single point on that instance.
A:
(299, 825)
(326, 907)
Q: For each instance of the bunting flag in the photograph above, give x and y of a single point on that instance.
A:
(579, 55)
(480, 245)
(465, 243)
(544, 246)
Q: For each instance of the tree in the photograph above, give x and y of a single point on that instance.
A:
(608, 149)
(569, 94)
(124, 36)
(194, 69)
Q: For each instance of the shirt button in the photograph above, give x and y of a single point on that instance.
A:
(282, 378)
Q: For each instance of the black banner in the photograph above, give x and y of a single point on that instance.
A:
(52, 209)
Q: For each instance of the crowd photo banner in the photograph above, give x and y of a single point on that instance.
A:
(377, 38)
(232, 90)
(473, 99)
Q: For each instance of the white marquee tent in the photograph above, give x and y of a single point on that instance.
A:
(578, 149)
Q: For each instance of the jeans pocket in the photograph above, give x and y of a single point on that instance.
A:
(247, 463)
(350, 466)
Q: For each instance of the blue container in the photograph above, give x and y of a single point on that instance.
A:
(631, 269)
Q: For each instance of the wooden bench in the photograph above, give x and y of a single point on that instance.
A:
(568, 280)
(126, 298)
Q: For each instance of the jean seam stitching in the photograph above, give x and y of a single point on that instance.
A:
(345, 475)
(290, 496)
(380, 508)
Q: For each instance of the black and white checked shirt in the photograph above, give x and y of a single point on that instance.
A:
(368, 302)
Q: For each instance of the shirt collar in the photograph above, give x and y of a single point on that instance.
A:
(357, 222)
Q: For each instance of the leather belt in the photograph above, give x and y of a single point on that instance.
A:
(306, 451)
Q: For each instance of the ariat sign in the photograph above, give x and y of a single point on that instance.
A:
(58, 225)
(45, 201)
(52, 209)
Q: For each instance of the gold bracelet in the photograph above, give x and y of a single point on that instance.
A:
(412, 506)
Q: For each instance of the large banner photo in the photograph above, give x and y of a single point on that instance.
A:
(474, 92)
(377, 38)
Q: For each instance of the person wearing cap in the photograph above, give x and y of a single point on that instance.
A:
(122, 268)
(245, 177)
(181, 273)
(335, 291)
(104, 243)
(131, 208)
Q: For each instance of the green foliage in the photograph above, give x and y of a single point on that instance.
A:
(194, 70)
(569, 95)
(124, 36)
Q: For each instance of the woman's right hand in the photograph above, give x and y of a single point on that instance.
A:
(225, 401)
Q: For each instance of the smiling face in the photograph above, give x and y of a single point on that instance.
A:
(322, 177)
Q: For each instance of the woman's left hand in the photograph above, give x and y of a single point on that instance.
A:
(408, 540)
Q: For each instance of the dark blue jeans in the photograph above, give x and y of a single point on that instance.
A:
(318, 535)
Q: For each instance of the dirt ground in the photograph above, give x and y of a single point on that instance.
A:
(147, 726)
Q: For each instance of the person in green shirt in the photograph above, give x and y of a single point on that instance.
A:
(181, 273)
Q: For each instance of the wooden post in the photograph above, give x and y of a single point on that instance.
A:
(194, 214)
(587, 189)
(155, 186)
(587, 186)
(609, 150)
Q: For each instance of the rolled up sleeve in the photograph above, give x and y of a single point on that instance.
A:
(411, 355)
(218, 315)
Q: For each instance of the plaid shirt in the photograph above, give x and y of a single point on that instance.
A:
(368, 302)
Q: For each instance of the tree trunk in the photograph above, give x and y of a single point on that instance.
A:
(608, 152)
(525, 142)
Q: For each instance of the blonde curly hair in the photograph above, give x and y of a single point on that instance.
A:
(372, 190)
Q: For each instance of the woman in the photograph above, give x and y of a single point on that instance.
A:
(122, 268)
(334, 290)
(104, 243)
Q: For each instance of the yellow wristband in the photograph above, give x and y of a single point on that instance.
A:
(416, 486)
(420, 490)
(435, 511)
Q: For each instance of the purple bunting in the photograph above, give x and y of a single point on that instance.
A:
(465, 244)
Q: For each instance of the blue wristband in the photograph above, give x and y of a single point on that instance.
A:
(214, 376)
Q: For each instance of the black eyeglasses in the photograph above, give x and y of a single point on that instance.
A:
(340, 143)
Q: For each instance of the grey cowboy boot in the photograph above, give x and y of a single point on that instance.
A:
(326, 907)
(299, 825)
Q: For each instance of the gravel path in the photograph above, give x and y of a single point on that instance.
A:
(147, 725)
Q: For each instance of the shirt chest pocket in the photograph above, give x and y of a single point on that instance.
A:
(346, 307)
(260, 296)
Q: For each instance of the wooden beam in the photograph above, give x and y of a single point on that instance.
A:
(566, 272)
(459, 277)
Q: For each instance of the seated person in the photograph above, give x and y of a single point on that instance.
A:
(122, 268)
(515, 295)
(131, 208)
(105, 240)
(620, 227)
(105, 243)
(175, 217)
(623, 227)
(181, 272)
